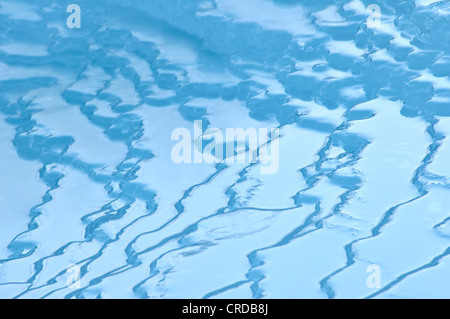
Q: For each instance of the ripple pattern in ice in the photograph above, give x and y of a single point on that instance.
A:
(88, 185)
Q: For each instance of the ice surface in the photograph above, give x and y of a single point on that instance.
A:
(88, 180)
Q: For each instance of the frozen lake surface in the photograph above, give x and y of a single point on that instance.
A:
(92, 204)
